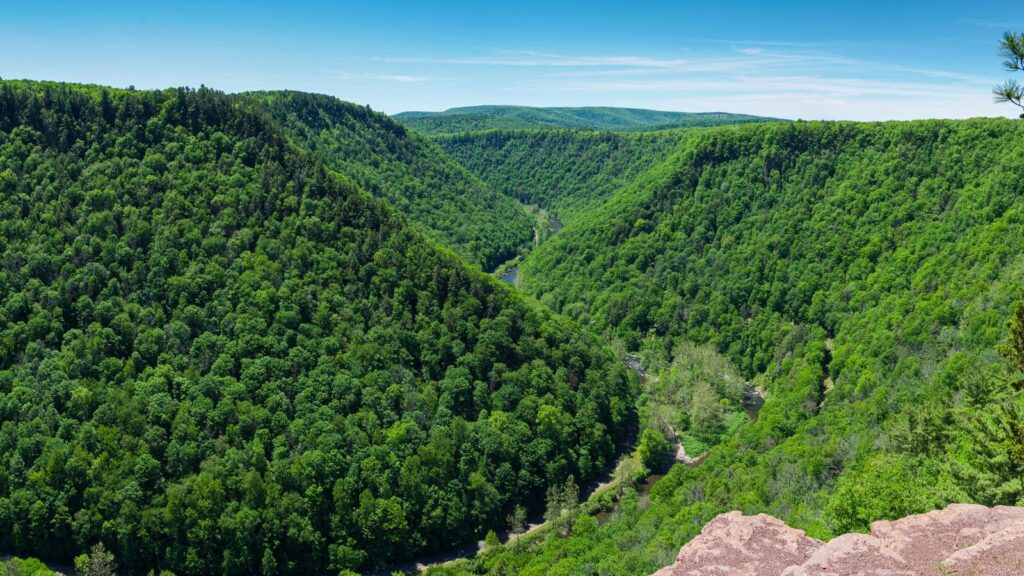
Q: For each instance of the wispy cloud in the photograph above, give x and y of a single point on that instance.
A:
(741, 60)
(540, 59)
(941, 74)
(386, 77)
(845, 87)
(693, 64)
(794, 83)
(778, 79)
(748, 42)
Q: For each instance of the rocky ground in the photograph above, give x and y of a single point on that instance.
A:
(961, 540)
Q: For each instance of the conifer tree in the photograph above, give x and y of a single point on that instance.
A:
(1011, 48)
(1014, 349)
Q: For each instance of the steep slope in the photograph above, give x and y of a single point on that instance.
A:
(859, 274)
(437, 195)
(751, 228)
(567, 172)
(476, 118)
(219, 357)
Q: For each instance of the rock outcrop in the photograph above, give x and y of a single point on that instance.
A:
(961, 540)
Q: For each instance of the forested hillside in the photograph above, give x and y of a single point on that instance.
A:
(565, 171)
(861, 275)
(217, 356)
(477, 118)
(439, 197)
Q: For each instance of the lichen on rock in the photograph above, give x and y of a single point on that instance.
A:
(962, 539)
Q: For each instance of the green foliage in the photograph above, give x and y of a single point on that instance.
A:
(98, 562)
(695, 393)
(516, 521)
(991, 463)
(653, 449)
(24, 567)
(409, 171)
(1014, 349)
(754, 232)
(566, 171)
(562, 507)
(220, 356)
(217, 356)
(861, 274)
(883, 487)
(476, 118)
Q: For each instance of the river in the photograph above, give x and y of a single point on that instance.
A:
(644, 490)
(510, 275)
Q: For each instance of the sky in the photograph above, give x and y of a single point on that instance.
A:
(865, 60)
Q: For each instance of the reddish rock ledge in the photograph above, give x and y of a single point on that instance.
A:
(961, 540)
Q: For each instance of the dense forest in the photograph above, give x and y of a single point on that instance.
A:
(861, 275)
(567, 172)
(479, 118)
(220, 356)
(436, 194)
(241, 333)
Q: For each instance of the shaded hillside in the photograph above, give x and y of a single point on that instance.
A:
(437, 195)
(566, 171)
(476, 118)
(219, 357)
(861, 275)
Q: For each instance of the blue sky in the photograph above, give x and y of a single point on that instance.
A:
(833, 60)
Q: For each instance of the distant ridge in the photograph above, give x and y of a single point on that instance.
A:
(476, 118)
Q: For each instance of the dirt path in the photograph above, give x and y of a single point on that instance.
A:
(680, 455)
